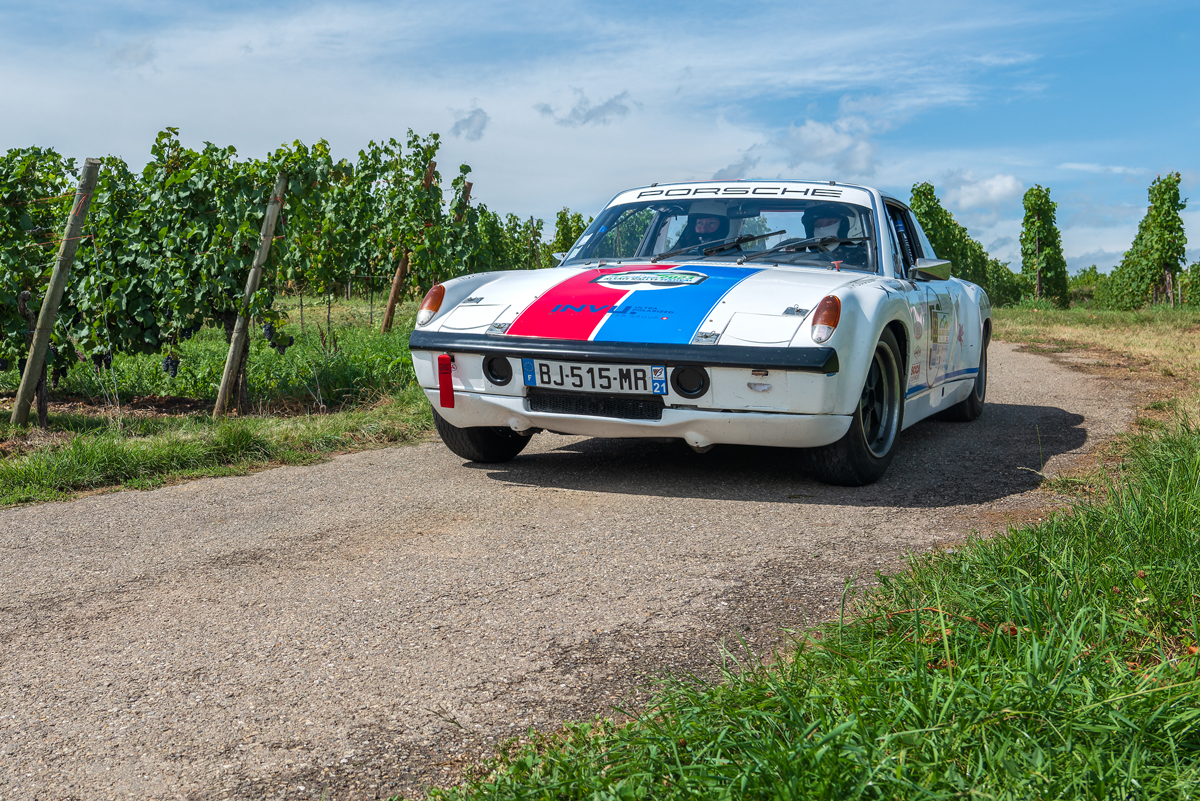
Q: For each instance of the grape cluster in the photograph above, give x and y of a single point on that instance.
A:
(102, 361)
(279, 345)
(170, 365)
(190, 332)
(3, 365)
(56, 375)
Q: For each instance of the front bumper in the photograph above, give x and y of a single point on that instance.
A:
(822, 361)
(698, 428)
(787, 397)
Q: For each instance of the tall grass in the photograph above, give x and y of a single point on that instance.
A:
(148, 452)
(1057, 661)
(322, 367)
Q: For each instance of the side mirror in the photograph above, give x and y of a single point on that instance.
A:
(932, 269)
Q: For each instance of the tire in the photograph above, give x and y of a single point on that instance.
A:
(480, 444)
(862, 456)
(972, 406)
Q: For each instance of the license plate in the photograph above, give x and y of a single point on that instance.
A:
(589, 377)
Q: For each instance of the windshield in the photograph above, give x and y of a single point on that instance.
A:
(729, 229)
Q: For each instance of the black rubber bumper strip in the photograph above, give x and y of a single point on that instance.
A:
(805, 360)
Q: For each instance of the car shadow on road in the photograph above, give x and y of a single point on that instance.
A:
(937, 464)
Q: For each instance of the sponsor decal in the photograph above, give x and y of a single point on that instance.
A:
(616, 305)
(656, 279)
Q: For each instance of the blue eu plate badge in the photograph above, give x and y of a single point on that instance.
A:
(529, 371)
(658, 379)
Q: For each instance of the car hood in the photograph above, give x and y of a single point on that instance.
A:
(678, 304)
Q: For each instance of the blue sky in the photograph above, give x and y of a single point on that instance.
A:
(566, 103)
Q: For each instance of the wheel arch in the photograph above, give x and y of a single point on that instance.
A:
(903, 339)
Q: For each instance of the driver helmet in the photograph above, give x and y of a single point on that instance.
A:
(707, 222)
(819, 220)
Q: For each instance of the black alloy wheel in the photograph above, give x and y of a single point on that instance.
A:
(863, 454)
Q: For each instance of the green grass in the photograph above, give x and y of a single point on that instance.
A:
(89, 453)
(1159, 338)
(362, 377)
(314, 371)
(1056, 661)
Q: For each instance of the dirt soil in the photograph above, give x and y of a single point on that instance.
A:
(363, 628)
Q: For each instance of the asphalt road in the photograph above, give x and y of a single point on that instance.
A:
(360, 627)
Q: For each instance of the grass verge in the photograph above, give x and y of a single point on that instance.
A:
(1164, 339)
(86, 453)
(1056, 661)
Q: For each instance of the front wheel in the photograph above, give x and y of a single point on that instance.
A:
(480, 443)
(862, 456)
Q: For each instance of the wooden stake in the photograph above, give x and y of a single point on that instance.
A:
(233, 364)
(58, 282)
(466, 199)
(402, 270)
(394, 296)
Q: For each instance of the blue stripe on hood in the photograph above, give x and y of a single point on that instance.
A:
(671, 316)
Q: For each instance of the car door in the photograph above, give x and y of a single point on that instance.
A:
(935, 303)
(917, 296)
(958, 350)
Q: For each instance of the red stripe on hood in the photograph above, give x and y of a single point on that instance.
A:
(574, 308)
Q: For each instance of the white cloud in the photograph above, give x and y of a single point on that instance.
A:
(969, 192)
(1102, 168)
(841, 145)
(470, 124)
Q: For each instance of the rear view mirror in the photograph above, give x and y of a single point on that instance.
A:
(932, 269)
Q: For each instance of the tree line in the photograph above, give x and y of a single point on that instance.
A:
(1153, 270)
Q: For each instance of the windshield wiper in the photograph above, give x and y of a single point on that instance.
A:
(716, 247)
(792, 244)
(735, 241)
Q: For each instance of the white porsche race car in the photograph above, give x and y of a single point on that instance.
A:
(797, 314)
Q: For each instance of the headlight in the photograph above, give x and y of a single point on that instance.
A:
(825, 318)
(431, 304)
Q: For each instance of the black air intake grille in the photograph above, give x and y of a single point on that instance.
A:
(625, 407)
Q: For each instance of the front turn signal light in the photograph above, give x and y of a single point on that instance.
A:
(825, 318)
(433, 302)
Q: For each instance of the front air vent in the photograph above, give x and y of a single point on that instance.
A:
(623, 407)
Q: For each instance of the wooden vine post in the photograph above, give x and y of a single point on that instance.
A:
(465, 201)
(402, 270)
(233, 363)
(36, 363)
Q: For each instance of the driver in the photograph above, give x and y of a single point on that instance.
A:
(827, 219)
(834, 219)
(704, 225)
